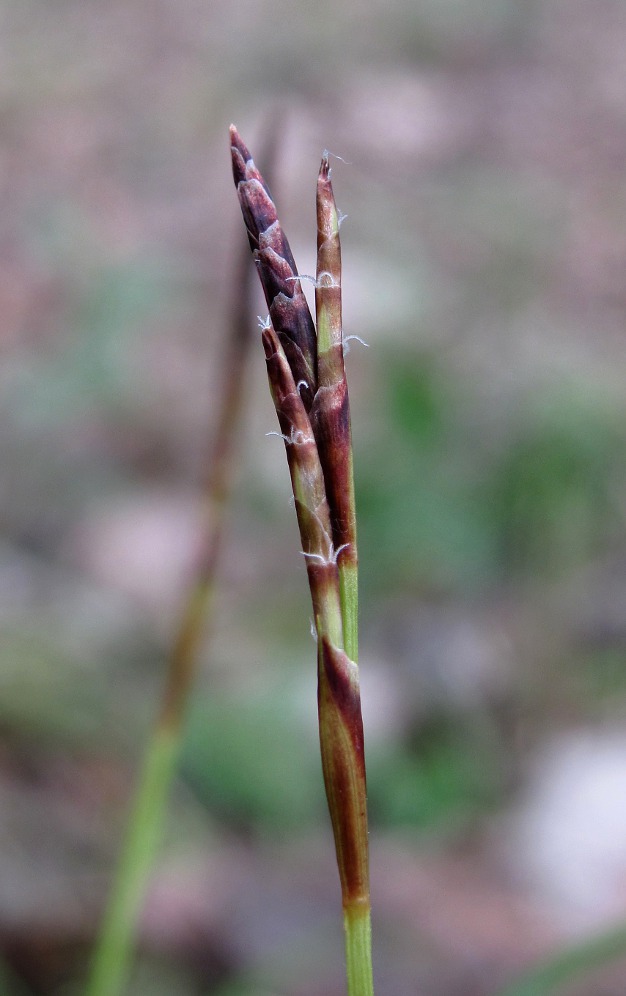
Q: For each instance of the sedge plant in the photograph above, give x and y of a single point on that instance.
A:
(308, 385)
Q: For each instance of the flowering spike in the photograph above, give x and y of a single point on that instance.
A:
(330, 415)
(308, 386)
(287, 304)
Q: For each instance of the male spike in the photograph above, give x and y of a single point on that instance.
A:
(285, 299)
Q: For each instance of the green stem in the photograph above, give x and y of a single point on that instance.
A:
(111, 964)
(112, 961)
(349, 595)
(358, 934)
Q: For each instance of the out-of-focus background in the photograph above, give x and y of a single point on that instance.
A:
(485, 261)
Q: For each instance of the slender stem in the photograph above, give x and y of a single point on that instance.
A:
(349, 592)
(111, 965)
(358, 932)
(112, 962)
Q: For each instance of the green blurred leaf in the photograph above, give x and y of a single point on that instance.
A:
(250, 762)
(553, 491)
(449, 774)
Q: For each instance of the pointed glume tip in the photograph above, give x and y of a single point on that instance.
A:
(268, 344)
(237, 143)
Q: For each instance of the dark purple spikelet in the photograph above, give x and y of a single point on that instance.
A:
(305, 469)
(286, 302)
(257, 205)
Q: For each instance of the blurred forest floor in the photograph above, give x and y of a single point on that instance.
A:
(484, 255)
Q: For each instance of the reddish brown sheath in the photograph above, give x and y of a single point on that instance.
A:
(343, 764)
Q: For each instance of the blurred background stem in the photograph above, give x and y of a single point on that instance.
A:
(113, 955)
